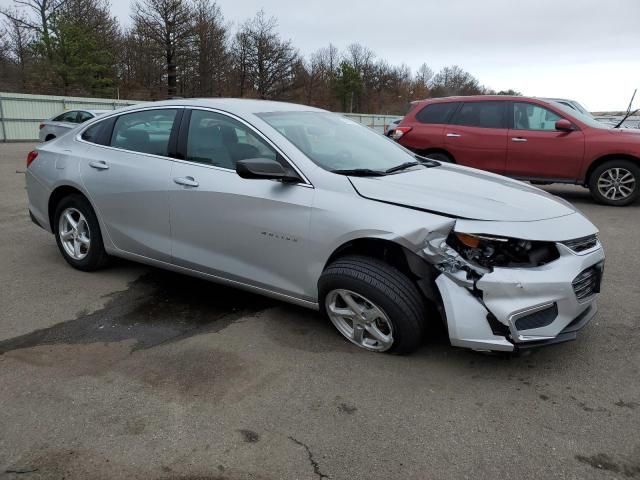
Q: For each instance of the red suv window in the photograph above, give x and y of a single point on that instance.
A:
(437, 112)
(490, 114)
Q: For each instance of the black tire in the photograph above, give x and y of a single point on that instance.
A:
(96, 256)
(385, 286)
(628, 165)
(440, 157)
(49, 137)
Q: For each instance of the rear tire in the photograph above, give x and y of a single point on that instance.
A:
(615, 183)
(49, 137)
(379, 287)
(81, 246)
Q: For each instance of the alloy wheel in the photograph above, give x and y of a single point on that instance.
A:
(616, 183)
(359, 320)
(74, 233)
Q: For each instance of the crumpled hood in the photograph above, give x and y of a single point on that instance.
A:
(464, 193)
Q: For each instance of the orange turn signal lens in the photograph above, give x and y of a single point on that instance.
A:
(468, 240)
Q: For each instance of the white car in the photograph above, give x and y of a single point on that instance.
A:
(61, 124)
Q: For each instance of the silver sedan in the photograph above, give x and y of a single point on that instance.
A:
(62, 123)
(311, 208)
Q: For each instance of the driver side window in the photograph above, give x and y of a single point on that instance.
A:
(218, 140)
(527, 116)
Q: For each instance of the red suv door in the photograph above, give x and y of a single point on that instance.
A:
(537, 150)
(477, 135)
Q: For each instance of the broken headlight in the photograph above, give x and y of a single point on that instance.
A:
(489, 251)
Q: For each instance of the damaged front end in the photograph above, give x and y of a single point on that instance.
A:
(503, 293)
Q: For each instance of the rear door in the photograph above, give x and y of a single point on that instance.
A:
(537, 150)
(126, 170)
(477, 135)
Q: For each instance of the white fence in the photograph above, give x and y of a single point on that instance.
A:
(21, 114)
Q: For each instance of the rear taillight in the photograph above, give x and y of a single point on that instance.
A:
(400, 131)
(33, 154)
(41, 126)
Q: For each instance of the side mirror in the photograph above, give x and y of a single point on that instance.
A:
(265, 169)
(564, 125)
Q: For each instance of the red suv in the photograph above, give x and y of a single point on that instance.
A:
(527, 138)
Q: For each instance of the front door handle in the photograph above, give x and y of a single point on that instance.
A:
(518, 139)
(100, 165)
(453, 135)
(186, 181)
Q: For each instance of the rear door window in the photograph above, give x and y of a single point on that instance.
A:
(437, 113)
(490, 114)
(146, 132)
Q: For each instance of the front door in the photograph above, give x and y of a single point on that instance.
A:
(250, 231)
(129, 177)
(537, 150)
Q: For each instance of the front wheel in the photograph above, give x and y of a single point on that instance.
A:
(615, 183)
(372, 304)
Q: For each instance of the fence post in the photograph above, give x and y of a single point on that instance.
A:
(4, 129)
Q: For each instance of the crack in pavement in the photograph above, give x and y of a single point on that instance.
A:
(312, 461)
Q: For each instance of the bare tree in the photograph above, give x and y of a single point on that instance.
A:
(210, 47)
(168, 24)
(454, 81)
(15, 52)
(38, 18)
(262, 58)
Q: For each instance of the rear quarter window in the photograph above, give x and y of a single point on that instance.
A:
(437, 113)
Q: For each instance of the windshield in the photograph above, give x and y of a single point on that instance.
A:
(586, 119)
(336, 143)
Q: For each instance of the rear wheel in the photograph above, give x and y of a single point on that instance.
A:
(615, 183)
(372, 304)
(49, 137)
(77, 233)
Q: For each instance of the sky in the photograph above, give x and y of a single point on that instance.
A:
(587, 50)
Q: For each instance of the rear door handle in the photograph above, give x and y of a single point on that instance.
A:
(518, 139)
(453, 135)
(186, 181)
(99, 165)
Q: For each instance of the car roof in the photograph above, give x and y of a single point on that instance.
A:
(474, 98)
(233, 105)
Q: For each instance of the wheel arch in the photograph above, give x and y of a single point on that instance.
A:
(416, 268)
(57, 195)
(428, 151)
(606, 158)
